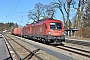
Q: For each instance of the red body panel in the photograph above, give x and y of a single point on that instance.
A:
(18, 31)
(15, 31)
(43, 28)
(27, 29)
(30, 29)
(38, 28)
(54, 32)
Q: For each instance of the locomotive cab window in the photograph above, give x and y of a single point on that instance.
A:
(55, 25)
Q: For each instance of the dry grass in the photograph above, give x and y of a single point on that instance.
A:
(83, 33)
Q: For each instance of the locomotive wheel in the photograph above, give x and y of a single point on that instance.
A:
(47, 42)
(43, 41)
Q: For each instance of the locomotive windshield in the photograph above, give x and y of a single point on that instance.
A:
(55, 25)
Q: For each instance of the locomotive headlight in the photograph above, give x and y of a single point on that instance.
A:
(49, 32)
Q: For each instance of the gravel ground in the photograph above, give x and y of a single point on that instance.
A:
(78, 38)
(79, 57)
(50, 57)
(73, 55)
(40, 53)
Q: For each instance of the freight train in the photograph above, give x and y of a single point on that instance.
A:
(47, 31)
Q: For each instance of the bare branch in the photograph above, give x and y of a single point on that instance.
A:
(41, 11)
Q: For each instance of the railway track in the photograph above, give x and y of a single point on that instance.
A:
(82, 52)
(21, 51)
(78, 42)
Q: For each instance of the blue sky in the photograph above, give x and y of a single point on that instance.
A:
(10, 10)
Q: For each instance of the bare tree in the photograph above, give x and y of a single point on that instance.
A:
(64, 7)
(82, 11)
(40, 11)
(86, 20)
(36, 13)
(50, 11)
(59, 5)
(32, 15)
(79, 13)
(67, 10)
(39, 8)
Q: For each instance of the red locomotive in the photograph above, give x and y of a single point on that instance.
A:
(27, 31)
(17, 31)
(47, 31)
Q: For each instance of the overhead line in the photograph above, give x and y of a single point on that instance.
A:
(12, 6)
(15, 8)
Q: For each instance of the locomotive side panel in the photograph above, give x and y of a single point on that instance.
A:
(19, 31)
(15, 31)
(26, 30)
(39, 29)
(49, 30)
(30, 29)
(23, 32)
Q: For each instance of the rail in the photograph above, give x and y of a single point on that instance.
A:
(74, 50)
(29, 56)
(10, 58)
(79, 42)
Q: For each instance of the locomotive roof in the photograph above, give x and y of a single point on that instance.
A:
(43, 20)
